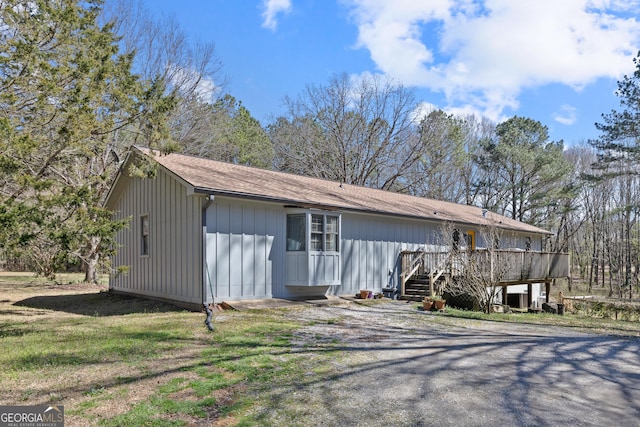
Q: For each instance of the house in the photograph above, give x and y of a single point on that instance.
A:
(204, 230)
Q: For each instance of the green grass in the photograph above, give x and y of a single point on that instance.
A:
(61, 278)
(589, 324)
(71, 342)
(249, 352)
(64, 341)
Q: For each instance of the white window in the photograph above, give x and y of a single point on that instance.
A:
(317, 232)
(324, 233)
(332, 234)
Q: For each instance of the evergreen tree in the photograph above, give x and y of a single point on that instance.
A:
(618, 148)
(619, 141)
(68, 98)
(228, 132)
(526, 167)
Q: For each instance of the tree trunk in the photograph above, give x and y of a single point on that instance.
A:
(92, 258)
(593, 270)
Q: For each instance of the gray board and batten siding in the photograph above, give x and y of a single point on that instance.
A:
(172, 267)
(242, 252)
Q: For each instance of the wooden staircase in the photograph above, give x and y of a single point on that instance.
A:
(417, 287)
(423, 273)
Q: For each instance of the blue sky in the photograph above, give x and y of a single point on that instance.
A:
(556, 61)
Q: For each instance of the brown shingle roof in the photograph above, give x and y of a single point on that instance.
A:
(214, 177)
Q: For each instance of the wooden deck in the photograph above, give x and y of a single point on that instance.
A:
(506, 266)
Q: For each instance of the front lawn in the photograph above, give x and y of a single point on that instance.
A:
(115, 360)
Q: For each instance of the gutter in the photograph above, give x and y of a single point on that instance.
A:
(205, 269)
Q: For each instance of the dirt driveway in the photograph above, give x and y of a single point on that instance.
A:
(402, 367)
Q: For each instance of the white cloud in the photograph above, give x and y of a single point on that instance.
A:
(271, 9)
(566, 115)
(423, 110)
(482, 54)
(189, 80)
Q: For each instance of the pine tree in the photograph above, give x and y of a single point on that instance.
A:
(619, 141)
(618, 164)
(527, 168)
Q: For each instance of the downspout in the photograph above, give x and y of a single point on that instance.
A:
(205, 269)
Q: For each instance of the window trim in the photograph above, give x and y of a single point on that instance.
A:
(310, 231)
(325, 231)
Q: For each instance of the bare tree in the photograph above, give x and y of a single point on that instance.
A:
(164, 50)
(353, 130)
(446, 169)
(476, 130)
(436, 174)
(477, 273)
(190, 70)
(570, 219)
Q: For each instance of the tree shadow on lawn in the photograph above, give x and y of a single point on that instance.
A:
(97, 304)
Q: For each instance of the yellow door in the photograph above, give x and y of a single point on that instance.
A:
(470, 236)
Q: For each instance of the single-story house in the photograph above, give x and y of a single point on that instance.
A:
(204, 231)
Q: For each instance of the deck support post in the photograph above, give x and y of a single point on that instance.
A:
(547, 288)
(529, 295)
(505, 299)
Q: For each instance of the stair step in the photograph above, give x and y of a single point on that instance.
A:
(425, 277)
(422, 287)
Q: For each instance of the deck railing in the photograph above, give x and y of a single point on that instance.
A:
(507, 265)
(422, 263)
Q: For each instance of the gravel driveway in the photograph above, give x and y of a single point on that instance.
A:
(403, 367)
